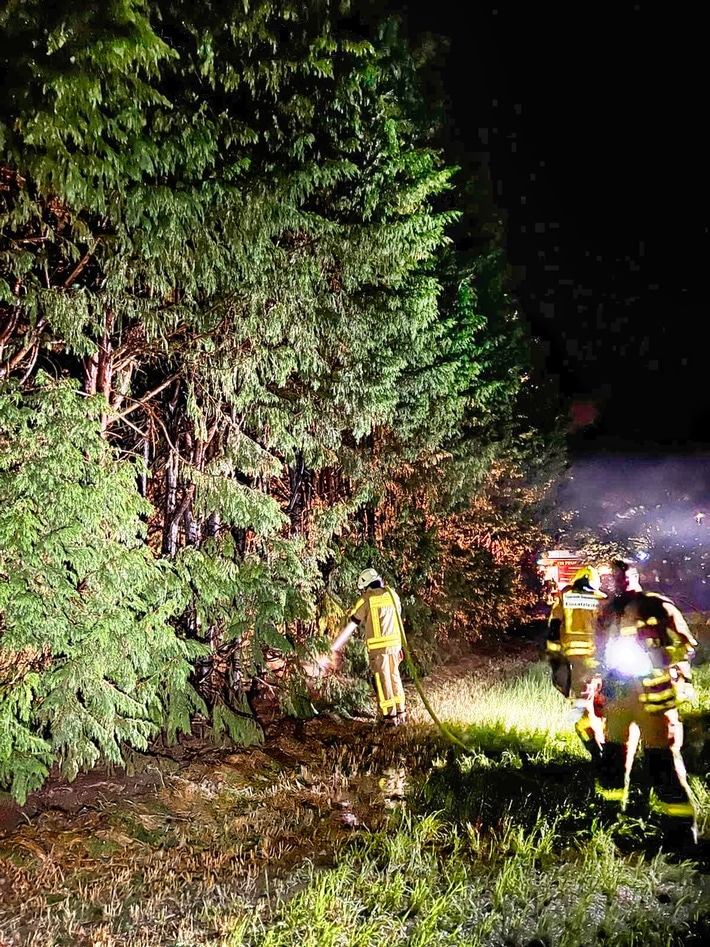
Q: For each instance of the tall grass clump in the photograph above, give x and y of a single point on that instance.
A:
(427, 884)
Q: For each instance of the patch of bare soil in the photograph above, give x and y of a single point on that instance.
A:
(166, 853)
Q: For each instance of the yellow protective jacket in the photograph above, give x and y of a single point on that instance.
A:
(572, 625)
(658, 626)
(380, 612)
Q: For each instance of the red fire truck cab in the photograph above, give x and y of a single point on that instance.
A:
(558, 567)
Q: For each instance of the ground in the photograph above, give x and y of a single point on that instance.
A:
(288, 742)
(166, 852)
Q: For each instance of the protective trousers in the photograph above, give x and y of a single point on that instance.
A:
(661, 733)
(384, 667)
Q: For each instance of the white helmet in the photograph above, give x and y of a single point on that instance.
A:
(367, 577)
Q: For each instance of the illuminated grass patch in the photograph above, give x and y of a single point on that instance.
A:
(363, 836)
(525, 712)
(428, 885)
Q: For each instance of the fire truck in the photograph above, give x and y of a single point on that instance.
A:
(558, 566)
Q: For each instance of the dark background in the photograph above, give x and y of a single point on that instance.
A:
(591, 119)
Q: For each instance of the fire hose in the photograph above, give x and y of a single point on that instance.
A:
(443, 729)
(411, 667)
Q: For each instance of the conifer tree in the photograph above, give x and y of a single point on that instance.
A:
(227, 224)
(220, 223)
(89, 660)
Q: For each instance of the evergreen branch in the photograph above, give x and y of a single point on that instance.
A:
(187, 344)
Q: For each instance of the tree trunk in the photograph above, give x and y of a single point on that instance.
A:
(169, 525)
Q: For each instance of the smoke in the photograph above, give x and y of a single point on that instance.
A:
(659, 505)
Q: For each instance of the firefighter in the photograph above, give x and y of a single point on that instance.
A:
(645, 647)
(379, 611)
(571, 652)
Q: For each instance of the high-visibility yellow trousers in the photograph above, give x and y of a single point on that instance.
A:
(384, 667)
(628, 723)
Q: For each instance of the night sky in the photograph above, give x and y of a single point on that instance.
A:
(591, 118)
(591, 122)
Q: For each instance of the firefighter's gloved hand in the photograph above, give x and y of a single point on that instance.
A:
(684, 690)
(329, 662)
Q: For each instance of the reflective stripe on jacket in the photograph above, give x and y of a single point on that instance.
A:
(659, 692)
(577, 614)
(380, 611)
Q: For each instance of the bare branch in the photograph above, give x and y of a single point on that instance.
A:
(18, 357)
(30, 367)
(81, 264)
(141, 403)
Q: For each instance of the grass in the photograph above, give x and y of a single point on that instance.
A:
(510, 714)
(503, 845)
(363, 838)
(424, 884)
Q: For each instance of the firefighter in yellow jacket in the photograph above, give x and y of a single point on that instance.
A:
(645, 646)
(571, 651)
(379, 611)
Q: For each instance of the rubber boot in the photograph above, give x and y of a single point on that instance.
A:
(610, 782)
(584, 731)
(680, 835)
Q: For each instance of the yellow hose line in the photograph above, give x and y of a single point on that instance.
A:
(452, 738)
